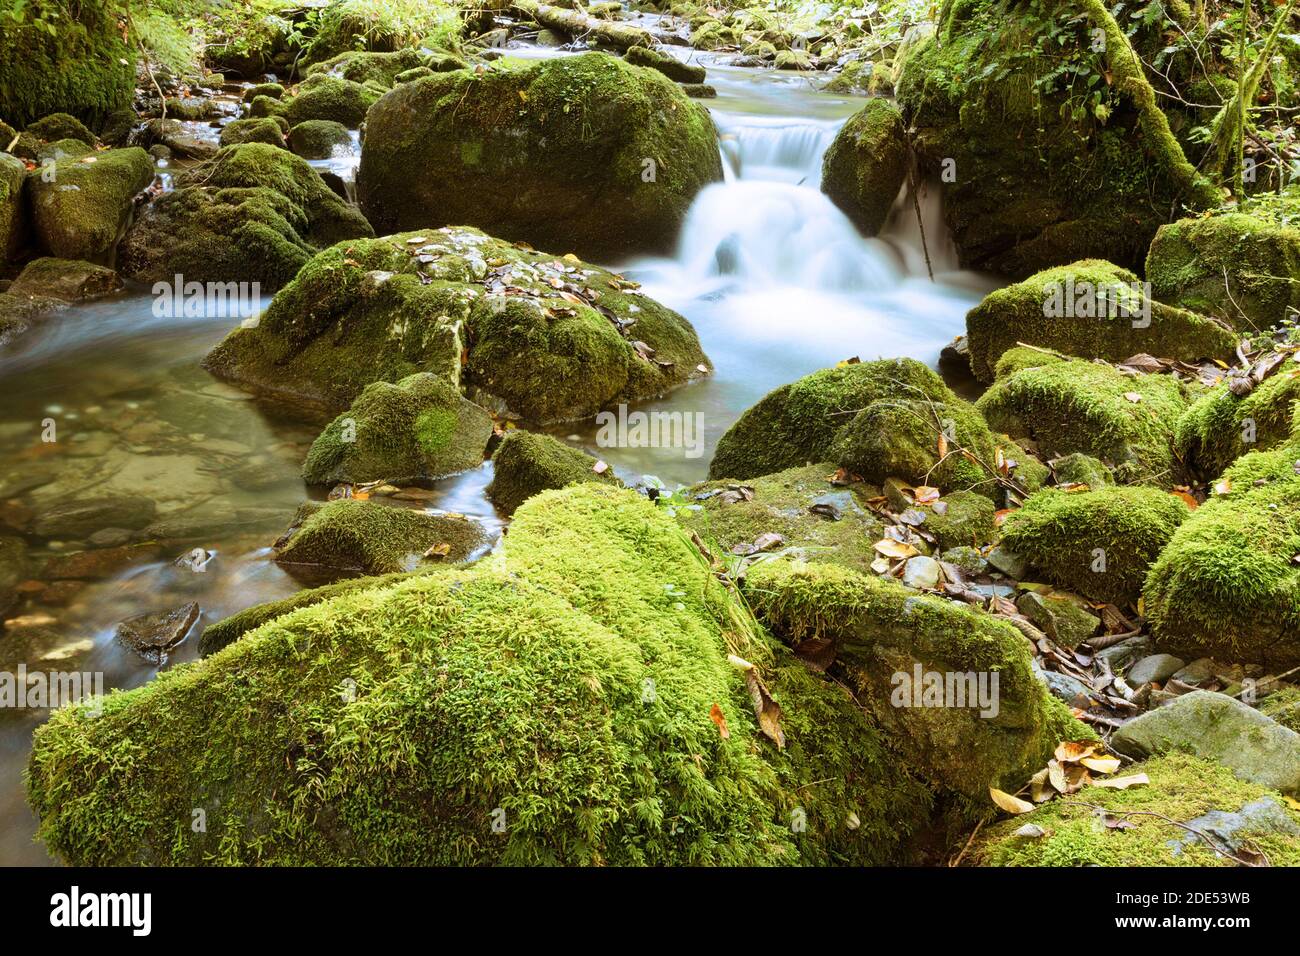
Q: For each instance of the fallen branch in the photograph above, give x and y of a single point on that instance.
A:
(575, 24)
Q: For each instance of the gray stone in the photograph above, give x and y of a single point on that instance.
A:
(1155, 669)
(77, 519)
(922, 572)
(1064, 686)
(1232, 831)
(1217, 727)
(1062, 619)
(1197, 672)
(152, 635)
(1119, 655)
(1008, 562)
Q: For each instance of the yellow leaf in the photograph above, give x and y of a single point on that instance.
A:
(1070, 751)
(1009, 803)
(1133, 780)
(1101, 764)
(895, 549)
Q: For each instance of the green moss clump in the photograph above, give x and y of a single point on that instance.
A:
(585, 153)
(274, 90)
(1221, 427)
(561, 691)
(58, 126)
(1099, 543)
(379, 310)
(264, 129)
(780, 504)
(322, 97)
(254, 212)
(1080, 469)
(13, 214)
(666, 64)
(317, 139)
(879, 630)
(527, 463)
(75, 61)
(1240, 268)
(351, 535)
(1183, 788)
(420, 427)
(1228, 585)
(1284, 707)
(879, 419)
(1022, 357)
(865, 166)
(368, 66)
(967, 519)
(81, 210)
(1053, 309)
(1076, 406)
(350, 25)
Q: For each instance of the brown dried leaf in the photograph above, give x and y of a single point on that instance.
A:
(716, 715)
(1012, 805)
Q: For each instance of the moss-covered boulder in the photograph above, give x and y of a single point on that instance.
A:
(317, 139)
(665, 63)
(884, 638)
(384, 67)
(419, 427)
(798, 511)
(1240, 818)
(351, 536)
(585, 154)
(1089, 309)
(322, 97)
(403, 724)
(1228, 584)
(1068, 405)
(13, 212)
(75, 60)
(66, 279)
(59, 126)
(264, 129)
(1221, 426)
(81, 205)
(19, 314)
(1099, 543)
(1244, 269)
(527, 463)
(883, 419)
(252, 213)
(866, 165)
(1034, 173)
(552, 339)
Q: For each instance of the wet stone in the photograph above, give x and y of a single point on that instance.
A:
(152, 635)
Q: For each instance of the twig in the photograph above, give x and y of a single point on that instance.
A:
(971, 839)
(1172, 822)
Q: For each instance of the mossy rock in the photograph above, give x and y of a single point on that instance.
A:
(254, 212)
(1221, 426)
(19, 314)
(1184, 789)
(82, 64)
(67, 279)
(351, 536)
(597, 639)
(714, 35)
(1284, 707)
(1031, 179)
(856, 76)
(666, 64)
(274, 90)
(779, 504)
(361, 66)
(317, 139)
(420, 427)
(13, 212)
(585, 154)
(322, 97)
(877, 630)
(1088, 309)
(263, 129)
(62, 149)
(1242, 269)
(1098, 543)
(58, 126)
(1228, 585)
(866, 165)
(879, 420)
(81, 206)
(966, 518)
(527, 463)
(1077, 468)
(1071, 406)
(382, 309)
(1061, 616)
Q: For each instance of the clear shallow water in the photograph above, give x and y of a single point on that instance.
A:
(774, 279)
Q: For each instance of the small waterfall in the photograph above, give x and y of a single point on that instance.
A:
(774, 148)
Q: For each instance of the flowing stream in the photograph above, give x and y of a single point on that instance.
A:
(776, 281)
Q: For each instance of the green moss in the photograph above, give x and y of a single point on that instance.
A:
(1284, 707)
(1182, 789)
(13, 214)
(779, 504)
(81, 210)
(348, 25)
(428, 297)
(1099, 543)
(1079, 469)
(263, 129)
(666, 64)
(878, 419)
(1075, 406)
(1054, 309)
(317, 139)
(420, 427)
(322, 97)
(76, 61)
(865, 166)
(1241, 268)
(351, 535)
(880, 629)
(1221, 427)
(584, 153)
(527, 463)
(1228, 584)
(562, 691)
(273, 90)
(967, 518)
(58, 126)
(367, 66)
(1022, 357)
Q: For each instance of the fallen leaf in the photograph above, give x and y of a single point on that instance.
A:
(1030, 831)
(1010, 804)
(1187, 499)
(767, 541)
(766, 709)
(895, 549)
(1133, 780)
(438, 550)
(716, 715)
(1070, 751)
(1133, 397)
(926, 494)
(1101, 764)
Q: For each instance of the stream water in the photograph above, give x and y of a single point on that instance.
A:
(774, 278)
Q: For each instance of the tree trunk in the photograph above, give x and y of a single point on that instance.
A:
(576, 24)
